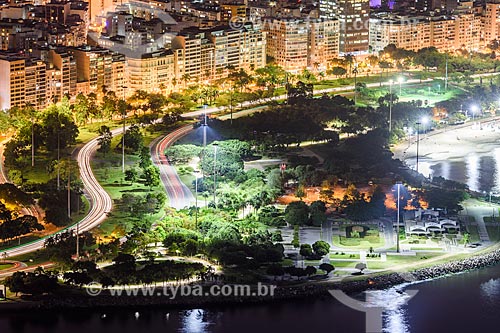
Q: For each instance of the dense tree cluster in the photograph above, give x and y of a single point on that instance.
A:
(13, 226)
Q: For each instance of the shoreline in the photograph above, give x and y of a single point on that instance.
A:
(306, 290)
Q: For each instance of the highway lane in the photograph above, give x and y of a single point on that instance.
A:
(100, 201)
(178, 193)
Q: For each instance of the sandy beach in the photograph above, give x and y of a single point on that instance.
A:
(452, 143)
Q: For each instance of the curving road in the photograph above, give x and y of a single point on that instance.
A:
(100, 201)
(178, 193)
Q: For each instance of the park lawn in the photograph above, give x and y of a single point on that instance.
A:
(38, 173)
(33, 258)
(426, 248)
(14, 243)
(108, 172)
(119, 223)
(473, 233)
(359, 243)
(6, 266)
(494, 233)
(489, 219)
(343, 264)
(345, 256)
(401, 260)
(311, 262)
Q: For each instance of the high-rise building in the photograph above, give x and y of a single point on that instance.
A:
(288, 43)
(61, 75)
(411, 33)
(152, 72)
(100, 69)
(323, 43)
(243, 48)
(491, 21)
(23, 81)
(354, 19)
(193, 47)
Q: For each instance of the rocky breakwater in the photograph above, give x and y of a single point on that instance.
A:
(453, 267)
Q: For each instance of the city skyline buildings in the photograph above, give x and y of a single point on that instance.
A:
(163, 47)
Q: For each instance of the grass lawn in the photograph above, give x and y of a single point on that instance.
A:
(494, 233)
(401, 260)
(5, 266)
(426, 248)
(490, 219)
(344, 256)
(108, 171)
(343, 264)
(474, 233)
(33, 259)
(371, 240)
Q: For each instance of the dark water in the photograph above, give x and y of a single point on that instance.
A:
(480, 171)
(467, 302)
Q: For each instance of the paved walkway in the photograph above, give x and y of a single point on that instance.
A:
(478, 211)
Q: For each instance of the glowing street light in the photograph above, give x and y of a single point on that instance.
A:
(398, 185)
(418, 142)
(390, 105)
(474, 109)
(424, 120)
(197, 175)
(400, 80)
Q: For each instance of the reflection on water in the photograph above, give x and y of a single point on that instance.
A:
(490, 291)
(392, 300)
(197, 321)
(472, 165)
(479, 171)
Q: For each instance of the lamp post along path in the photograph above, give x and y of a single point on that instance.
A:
(215, 172)
(398, 184)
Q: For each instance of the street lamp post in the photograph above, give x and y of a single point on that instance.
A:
(196, 174)
(398, 184)
(215, 172)
(58, 151)
(32, 141)
(204, 130)
(123, 131)
(473, 110)
(418, 141)
(390, 105)
(355, 72)
(424, 122)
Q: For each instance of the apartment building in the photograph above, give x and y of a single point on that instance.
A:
(323, 42)
(99, 69)
(354, 19)
(152, 72)
(23, 81)
(288, 43)
(445, 32)
(197, 54)
(61, 75)
(237, 48)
